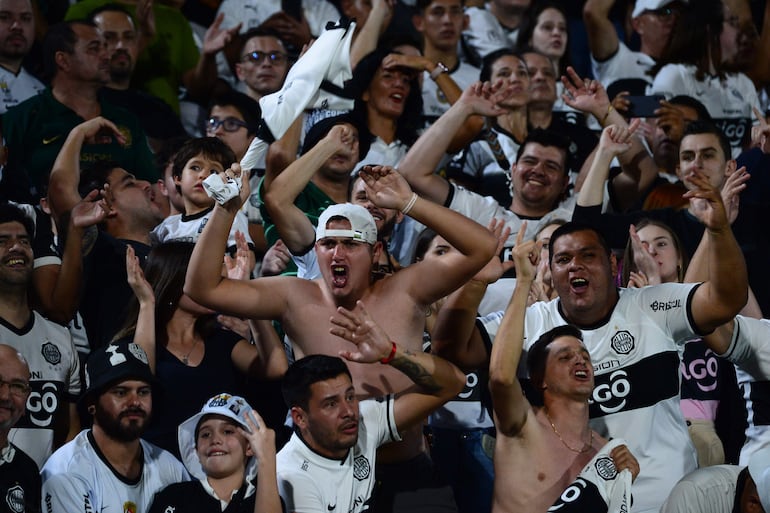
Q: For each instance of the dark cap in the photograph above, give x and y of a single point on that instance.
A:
(119, 361)
(319, 130)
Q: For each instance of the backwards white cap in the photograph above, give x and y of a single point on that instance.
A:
(362, 226)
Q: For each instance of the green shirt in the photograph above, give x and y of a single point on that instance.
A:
(159, 68)
(312, 201)
(36, 129)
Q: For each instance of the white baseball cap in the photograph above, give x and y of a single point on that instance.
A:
(230, 406)
(362, 227)
(759, 468)
(649, 5)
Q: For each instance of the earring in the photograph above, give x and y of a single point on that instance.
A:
(92, 409)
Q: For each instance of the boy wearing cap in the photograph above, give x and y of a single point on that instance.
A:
(109, 467)
(222, 446)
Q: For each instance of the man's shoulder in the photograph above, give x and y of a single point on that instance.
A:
(75, 457)
(38, 104)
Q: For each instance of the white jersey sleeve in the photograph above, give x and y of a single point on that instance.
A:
(750, 347)
(67, 493)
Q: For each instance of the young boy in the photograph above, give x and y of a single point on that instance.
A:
(194, 162)
(222, 446)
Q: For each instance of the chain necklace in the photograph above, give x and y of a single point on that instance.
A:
(186, 357)
(556, 431)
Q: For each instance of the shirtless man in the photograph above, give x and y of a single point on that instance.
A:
(534, 459)
(398, 301)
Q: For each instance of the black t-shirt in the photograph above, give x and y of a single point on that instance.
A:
(19, 483)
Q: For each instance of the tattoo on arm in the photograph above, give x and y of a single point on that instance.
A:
(416, 373)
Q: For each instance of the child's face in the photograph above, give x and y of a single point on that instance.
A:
(221, 449)
(190, 182)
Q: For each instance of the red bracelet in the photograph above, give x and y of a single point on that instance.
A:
(392, 354)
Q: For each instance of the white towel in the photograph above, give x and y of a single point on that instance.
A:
(327, 61)
(599, 487)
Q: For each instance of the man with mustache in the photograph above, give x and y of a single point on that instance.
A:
(118, 29)
(17, 32)
(109, 467)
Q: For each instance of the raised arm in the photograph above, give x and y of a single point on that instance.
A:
(376, 23)
(144, 331)
(602, 38)
(427, 282)
(63, 192)
(264, 298)
(419, 164)
(510, 405)
(614, 141)
(200, 80)
(436, 380)
(725, 290)
(294, 227)
(638, 169)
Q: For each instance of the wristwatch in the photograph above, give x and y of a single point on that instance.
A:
(438, 70)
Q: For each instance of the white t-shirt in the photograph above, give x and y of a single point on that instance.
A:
(485, 34)
(77, 479)
(707, 490)
(623, 64)
(728, 101)
(55, 369)
(15, 88)
(189, 228)
(308, 481)
(636, 355)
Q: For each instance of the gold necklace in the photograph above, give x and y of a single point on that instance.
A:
(556, 431)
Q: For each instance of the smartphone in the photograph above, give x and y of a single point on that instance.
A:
(643, 106)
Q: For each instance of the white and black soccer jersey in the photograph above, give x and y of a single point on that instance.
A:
(19, 482)
(78, 478)
(635, 355)
(485, 34)
(728, 101)
(750, 352)
(625, 65)
(434, 103)
(180, 227)
(17, 87)
(308, 481)
(55, 382)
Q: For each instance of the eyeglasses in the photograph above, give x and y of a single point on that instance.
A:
(256, 57)
(229, 124)
(16, 388)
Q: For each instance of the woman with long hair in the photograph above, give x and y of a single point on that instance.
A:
(191, 354)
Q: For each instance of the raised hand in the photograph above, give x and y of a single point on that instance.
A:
(260, 437)
(216, 38)
(136, 280)
(585, 95)
(90, 211)
(276, 259)
(295, 32)
(526, 255)
(671, 120)
(385, 187)
(495, 268)
(648, 270)
(358, 327)
(100, 130)
(706, 202)
(616, 140)
(238, 268)
(734, 184)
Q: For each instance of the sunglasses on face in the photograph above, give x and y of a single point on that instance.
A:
(229, 124)
(273, 57)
